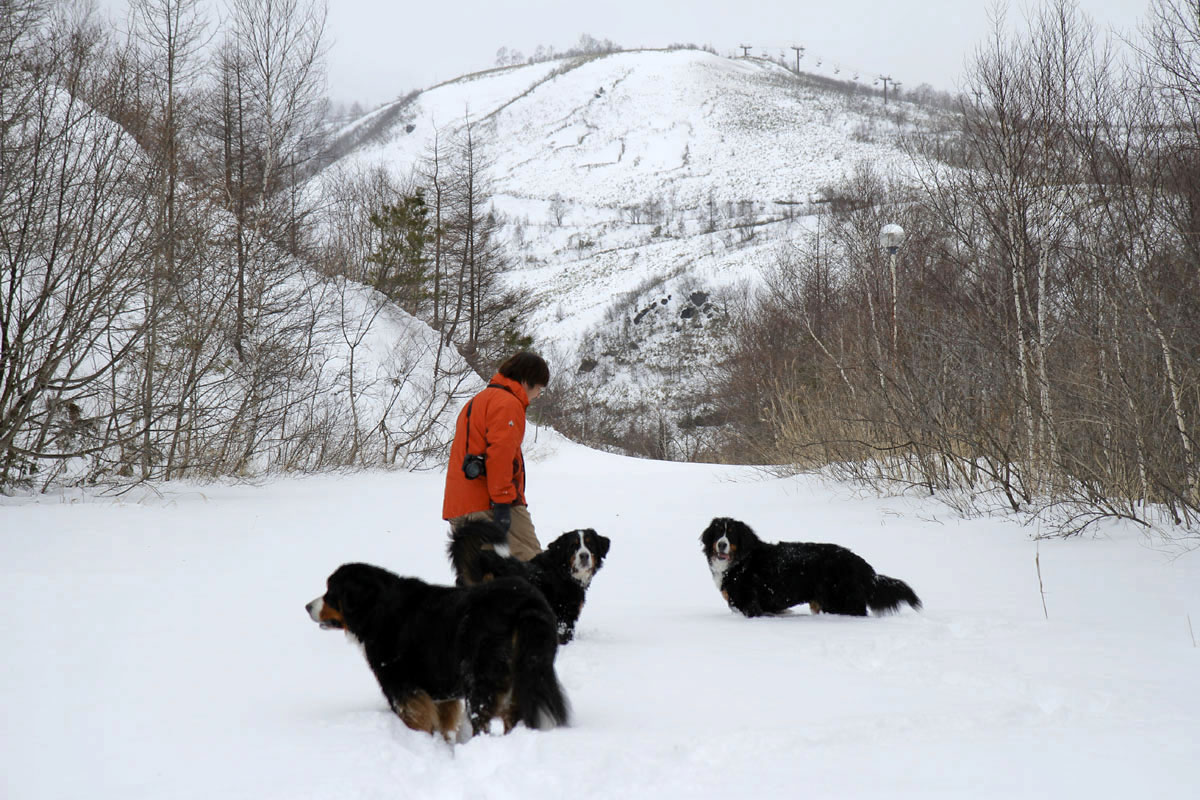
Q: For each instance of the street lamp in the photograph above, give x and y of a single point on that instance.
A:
(890, 238)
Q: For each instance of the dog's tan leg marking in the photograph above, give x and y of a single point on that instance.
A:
(814, 607)
(419, 713)
(506, 710)
(506, 705)
(449, 713)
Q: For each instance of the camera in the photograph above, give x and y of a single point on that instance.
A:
(473, 466)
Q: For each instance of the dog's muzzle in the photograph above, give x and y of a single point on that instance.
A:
(320, 615)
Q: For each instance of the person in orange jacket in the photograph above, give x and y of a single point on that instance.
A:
(486, 475)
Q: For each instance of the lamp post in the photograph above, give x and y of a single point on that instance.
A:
(890, 238)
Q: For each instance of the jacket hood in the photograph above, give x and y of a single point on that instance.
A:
(513, 386)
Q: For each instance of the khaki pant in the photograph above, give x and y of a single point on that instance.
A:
(522, 540)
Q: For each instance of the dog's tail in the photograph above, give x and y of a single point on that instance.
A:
(888, 593)
(466, 546)
(539, 697)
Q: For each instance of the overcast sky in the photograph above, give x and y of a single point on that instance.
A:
(381, 49)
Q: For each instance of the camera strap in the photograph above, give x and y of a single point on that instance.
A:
(489, 386)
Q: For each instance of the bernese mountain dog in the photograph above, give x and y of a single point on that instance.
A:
(434, 648)
(562, 572)
(758, 578)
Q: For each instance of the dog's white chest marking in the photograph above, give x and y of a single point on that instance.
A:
(582, 570)
(718, 571)
(718, 566)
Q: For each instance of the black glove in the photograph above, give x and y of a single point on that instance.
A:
(502, 514)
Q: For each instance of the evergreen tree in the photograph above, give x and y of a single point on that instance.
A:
(399, 266)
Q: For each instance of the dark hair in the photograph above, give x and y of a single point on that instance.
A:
(526, 367)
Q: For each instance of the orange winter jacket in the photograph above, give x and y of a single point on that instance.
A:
(497, 428)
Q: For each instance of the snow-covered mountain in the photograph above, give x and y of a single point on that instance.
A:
(639, 187)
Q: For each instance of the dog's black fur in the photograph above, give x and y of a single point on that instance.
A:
(433, 647)
(758, 577)
(562, 572)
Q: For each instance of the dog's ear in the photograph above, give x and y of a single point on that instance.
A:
(742, 531)
(335, 598)
(347, 596)
(602, 543)
(561, 544)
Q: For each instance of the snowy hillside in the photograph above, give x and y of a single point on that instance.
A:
(156, 645)
(386, 388)
(634, 182)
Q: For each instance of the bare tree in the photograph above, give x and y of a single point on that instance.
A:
(1172, 69)
(431, 173)
(482, 317)
(272, 67)
(170, 34)
(558, 208)
(76, 228)
(1045, 350)
(345, 235)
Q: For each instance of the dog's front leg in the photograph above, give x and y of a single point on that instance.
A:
(748, 603)
(417, 710)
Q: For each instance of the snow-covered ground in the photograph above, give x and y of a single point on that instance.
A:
(156, 646)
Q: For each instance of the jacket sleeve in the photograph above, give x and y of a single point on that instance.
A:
(504, 434)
